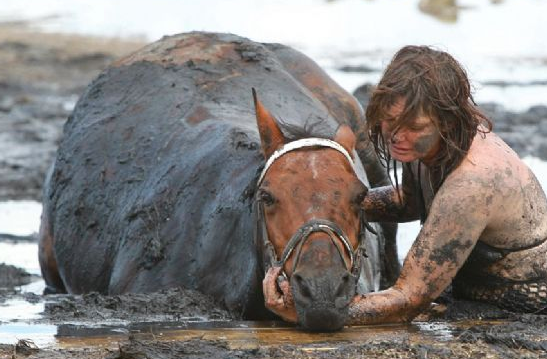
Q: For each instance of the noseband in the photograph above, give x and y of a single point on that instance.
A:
(296, 242)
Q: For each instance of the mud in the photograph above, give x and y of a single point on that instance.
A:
(524, 338)
(218, 349)
(178, 323)
(41, 77)
(11, 276)
(384, 348)
(168, 305)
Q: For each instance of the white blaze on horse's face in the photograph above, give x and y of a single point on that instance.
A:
(313, 165)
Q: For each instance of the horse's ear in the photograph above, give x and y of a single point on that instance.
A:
(271, 136)
(345, 136)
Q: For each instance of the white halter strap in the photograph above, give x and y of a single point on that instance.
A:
(305, 142)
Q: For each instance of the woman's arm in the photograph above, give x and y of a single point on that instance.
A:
(387, 204)
(459, 214)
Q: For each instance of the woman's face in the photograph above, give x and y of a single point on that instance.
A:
(417, 140)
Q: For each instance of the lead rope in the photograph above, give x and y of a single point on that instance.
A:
(361, 251)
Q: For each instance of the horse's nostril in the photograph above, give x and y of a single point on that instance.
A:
(343, 287)
(302, 286)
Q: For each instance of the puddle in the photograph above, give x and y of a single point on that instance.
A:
(238, 335)
(19, 310)
(259, 334)
(41, 335)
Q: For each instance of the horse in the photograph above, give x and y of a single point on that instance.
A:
(170, 173)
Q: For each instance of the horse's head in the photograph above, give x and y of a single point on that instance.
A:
(310, 219)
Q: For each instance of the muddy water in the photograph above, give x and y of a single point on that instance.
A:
(238, 334)
(244, 335)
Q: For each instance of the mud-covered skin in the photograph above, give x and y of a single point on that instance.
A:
(491, 197)
(418, 140)
(153, 181)
(385, 203)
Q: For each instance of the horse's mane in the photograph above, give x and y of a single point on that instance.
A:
(293, 132)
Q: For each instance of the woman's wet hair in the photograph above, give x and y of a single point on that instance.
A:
(431, 83)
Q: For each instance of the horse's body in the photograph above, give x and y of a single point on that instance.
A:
(154, 179)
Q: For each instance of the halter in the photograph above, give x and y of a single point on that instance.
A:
(305, 142)
(296, 242)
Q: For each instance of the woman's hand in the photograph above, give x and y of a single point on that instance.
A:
(281, 304)
(387, 306)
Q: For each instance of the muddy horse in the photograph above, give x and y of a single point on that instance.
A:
(161, 181)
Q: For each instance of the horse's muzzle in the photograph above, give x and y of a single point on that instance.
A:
(322, 298)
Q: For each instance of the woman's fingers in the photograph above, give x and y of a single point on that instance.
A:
(281, 304)
(272, 297)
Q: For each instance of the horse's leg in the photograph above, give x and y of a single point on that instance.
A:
(46, 256)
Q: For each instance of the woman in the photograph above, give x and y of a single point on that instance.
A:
(483, 212)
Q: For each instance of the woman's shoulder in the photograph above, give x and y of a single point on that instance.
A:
(491, 162)
(489, 152)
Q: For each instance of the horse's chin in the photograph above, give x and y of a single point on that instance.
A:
(322, 300)
(322, 318)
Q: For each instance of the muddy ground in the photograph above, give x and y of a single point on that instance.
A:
(41, 77)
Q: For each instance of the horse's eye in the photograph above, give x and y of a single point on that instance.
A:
(266, 197)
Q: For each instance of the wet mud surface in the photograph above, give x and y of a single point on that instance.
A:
(513, 337)
(41, 77)
(11, 276)
(167, 305)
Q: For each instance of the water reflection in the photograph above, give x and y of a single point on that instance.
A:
(42, 335)
(18, 309)
(238, 335)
